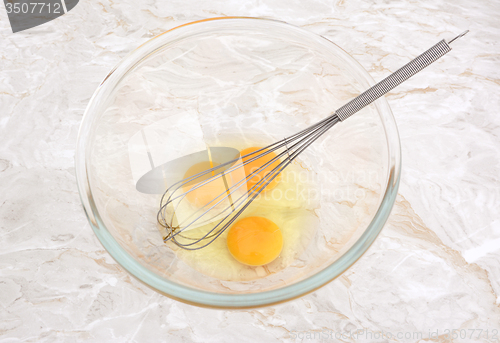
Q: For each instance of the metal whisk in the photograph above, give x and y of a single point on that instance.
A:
(224, 208)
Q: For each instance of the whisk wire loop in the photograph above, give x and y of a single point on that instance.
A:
(255, 190)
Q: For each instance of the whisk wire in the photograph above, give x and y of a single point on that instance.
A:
(256, 189)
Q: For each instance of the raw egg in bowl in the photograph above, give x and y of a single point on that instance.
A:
(184, 101)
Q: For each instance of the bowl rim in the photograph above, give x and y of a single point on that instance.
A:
(233, 301)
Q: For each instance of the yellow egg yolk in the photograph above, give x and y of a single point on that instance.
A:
(255, 241)
(251, 167)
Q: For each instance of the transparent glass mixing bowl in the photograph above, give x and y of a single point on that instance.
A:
(238, 75)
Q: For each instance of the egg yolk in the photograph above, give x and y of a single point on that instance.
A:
(203, 195)
(251, 167)
(255, 241)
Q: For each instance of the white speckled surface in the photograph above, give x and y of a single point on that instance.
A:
(434, 267)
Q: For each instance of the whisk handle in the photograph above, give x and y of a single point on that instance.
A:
(393, 80)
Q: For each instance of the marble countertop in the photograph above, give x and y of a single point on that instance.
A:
(435, 266)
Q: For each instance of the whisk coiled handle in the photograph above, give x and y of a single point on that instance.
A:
(399, 76)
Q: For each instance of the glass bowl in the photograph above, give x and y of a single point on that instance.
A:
(236, 77)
